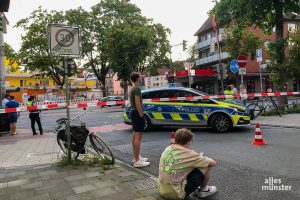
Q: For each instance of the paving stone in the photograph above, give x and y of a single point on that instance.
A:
(99, 193)
(147, 198)
(74, 177)
(49, 172)
(61, 194)
(125, 195)
(91, 174)
(32, 185)
(17, 182)
(84, 188)
(4, 196)
(104, 184)
(18, 173)
(127, 173)
(39, 197)
(3, 185)
(150, 191)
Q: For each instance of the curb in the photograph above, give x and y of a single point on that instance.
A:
(278, 126)
(138, 170)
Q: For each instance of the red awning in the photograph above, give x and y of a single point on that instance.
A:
(198, 72)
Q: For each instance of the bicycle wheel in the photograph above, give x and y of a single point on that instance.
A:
(64, 147)
(101, 148)
(256, 108)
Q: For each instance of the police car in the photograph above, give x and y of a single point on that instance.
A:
(219, 115)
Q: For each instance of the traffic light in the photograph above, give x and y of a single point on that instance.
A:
(221, 71)
(184, 45)
(4, 5)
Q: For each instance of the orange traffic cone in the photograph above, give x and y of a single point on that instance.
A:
(172, 138)
(258, 140)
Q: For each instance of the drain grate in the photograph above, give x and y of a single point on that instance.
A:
(143, 184)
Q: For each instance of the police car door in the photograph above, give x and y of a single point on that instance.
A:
(159, 112)
(187, 112)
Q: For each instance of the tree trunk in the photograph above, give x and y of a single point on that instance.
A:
(278, 5)
(125, 87)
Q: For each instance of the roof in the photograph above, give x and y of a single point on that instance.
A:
(205, 26)
(292, 17)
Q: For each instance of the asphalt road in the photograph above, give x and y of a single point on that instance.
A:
(241, 167)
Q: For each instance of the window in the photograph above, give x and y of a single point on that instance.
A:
(159, 94)
(22, 83)
(292, 27)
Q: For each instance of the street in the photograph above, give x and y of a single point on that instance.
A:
(241, 167)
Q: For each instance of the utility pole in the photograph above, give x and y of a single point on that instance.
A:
(2, 78)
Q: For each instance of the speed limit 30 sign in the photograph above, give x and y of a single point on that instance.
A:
(64, 40)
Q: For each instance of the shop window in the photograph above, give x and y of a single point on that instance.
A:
(250, 86)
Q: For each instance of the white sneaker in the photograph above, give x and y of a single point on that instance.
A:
(207, 191)
(141, 163)
(141, 158)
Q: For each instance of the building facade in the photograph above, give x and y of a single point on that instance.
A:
(155, 81)
(209, 57)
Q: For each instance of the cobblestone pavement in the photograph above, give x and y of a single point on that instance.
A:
(29, 170)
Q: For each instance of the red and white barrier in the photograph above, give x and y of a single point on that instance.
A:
(97, 103)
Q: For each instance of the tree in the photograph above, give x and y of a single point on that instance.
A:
(238, 41)
(34, 48)
(266, 15)
(131, 41)
(294, 54)
(11, 55)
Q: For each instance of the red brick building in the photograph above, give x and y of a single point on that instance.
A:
(208, 58)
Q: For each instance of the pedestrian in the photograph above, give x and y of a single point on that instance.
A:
(183, 171)
(34, 116)
(5, 100)
(243, 92)
(229, 91)
(235, 91)
(138, 120)
(12, 116)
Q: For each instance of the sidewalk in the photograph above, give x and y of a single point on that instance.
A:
(29, 170)
(289, 121)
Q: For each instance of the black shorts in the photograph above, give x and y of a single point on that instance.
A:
(12, 117)
(138, 122)
(194, 180)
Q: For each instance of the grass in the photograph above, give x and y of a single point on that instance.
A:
(87, 160)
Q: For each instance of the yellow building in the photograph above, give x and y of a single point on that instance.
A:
(17, 78)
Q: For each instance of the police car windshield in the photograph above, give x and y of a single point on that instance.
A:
(198, 92)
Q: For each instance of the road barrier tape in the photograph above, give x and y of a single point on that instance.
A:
(96, 103)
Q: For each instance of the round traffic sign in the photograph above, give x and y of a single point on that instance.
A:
(64, 38)
(242, 60)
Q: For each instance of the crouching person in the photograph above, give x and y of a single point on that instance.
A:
(182, 171)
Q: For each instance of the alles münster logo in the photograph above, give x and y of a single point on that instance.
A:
(273, 184)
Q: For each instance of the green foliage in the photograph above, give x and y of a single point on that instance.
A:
(87, 160)
(193, 54)
(238, 41)
(294, 54)
(34, 48)
(264, 14)
(11, 55)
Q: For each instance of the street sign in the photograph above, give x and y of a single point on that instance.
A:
(242, 71)
(64, 40)
(242, 61)
(234, 68)
(259, 55)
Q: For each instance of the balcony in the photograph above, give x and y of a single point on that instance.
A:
(212, 58)
(206, 43)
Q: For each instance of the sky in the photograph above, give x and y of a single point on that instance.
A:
(182, 17)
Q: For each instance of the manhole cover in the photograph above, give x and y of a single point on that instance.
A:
(144, 184)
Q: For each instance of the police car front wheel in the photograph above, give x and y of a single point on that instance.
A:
(221, 123)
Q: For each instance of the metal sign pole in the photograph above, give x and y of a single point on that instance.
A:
(260, 77)
(2, 79)
(68, 107)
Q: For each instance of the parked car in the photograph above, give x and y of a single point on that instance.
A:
(220, 116)
(113, 98)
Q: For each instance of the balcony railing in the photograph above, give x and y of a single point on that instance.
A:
(212, 58)
(206, 43)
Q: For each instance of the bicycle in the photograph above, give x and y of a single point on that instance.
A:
(258, 107)
(79, 135)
